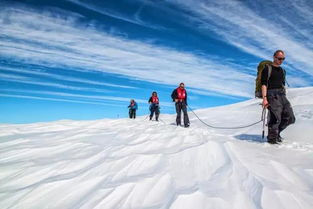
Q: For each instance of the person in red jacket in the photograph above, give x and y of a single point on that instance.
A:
(179, 96)
(154, 106)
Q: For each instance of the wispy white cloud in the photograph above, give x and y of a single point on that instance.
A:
(133, 18)
(60, 42)
(66, 78)
(210, 93)
(27, 80)
(258, 35)
(78, 97)
(53, 99)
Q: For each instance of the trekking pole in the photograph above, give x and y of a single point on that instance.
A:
(263, 119)
(146, 117)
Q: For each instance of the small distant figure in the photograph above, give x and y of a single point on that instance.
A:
(132, 109)
(179, 96)
(154, 106)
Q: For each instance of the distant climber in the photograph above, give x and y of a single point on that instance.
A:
(132, 109)
(154, 106)
(179, 96)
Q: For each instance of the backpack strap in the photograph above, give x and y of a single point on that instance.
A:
(269, 67)
(269, 73)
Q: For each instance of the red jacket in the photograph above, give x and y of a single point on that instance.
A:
(180, 94)
(154, 100)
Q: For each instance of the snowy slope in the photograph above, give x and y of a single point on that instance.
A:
(142, 164)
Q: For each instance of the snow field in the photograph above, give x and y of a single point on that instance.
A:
(144, 164)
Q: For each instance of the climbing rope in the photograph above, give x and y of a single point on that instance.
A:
(236, 127)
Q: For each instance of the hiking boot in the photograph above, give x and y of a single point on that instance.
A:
(272, 141)
(272, 136)
(187, 125)
(279, 138)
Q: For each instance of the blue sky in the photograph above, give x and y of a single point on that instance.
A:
(80, 59)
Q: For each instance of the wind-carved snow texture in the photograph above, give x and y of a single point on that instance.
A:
(144, 164)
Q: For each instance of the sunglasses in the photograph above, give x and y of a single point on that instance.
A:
(280, 58)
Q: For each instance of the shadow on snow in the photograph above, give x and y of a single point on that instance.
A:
(251, 137)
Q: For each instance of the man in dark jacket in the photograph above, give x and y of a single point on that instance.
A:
(274, 98)
(179, 96)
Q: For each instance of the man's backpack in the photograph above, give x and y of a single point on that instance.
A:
(258, 85)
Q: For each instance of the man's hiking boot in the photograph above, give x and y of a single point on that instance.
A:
(273, 136)
(272, 141)
(279, 138)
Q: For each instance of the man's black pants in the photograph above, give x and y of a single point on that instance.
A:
(181, 106)
(280, 113)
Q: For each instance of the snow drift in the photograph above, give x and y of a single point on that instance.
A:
(142, 164)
